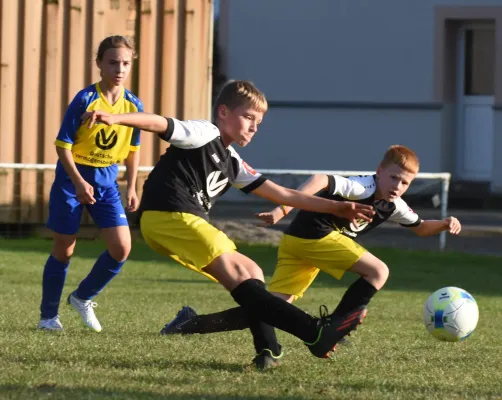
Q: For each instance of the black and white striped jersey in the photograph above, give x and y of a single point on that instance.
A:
(360, 189)
(195, 170)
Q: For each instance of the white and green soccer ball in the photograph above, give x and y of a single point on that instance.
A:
(451, 314)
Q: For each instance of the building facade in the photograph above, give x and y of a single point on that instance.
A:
(345, 79)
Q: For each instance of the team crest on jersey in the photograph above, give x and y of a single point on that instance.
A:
(248, 168)
(361, 225)
(214, 184)
(106, 142)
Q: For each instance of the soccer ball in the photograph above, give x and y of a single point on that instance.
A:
(450, 314)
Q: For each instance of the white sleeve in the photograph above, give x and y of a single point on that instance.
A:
(353, 188)
(247, 178)
(189, 134)
(404, 215)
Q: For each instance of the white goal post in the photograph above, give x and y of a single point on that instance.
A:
(444, 177)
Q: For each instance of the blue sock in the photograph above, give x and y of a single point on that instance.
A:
(53, 280)
(104, 270)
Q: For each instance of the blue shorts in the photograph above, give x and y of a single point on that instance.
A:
(65, 211)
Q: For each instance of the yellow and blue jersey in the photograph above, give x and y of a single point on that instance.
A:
(98, 151)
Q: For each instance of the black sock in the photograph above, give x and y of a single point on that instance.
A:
(358, 294)
(264, 336)
(274, 311)
(233, 319)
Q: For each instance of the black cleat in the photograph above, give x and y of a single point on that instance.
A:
(175, 327)
(266, 359)
(333, 329)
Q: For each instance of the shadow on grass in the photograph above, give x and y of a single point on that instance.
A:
(52, 391)
(409, 270)
(411, 391)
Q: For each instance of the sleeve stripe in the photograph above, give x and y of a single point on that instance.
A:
(416, 223)
(63, 145)
(169, 132)
(254, 185)
(133, 148)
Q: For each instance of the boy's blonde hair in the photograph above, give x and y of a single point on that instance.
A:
(401, 156)
(238, 93)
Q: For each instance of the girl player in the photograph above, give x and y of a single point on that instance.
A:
(86, 175)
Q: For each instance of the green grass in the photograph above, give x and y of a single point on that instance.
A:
(393, 357)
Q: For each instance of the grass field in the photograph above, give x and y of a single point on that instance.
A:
(392, 356)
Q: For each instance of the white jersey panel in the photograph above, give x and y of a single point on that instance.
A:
(403, 214)
(192, 134)
(354, 187)
(246, 174)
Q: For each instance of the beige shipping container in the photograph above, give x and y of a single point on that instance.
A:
(47, 54)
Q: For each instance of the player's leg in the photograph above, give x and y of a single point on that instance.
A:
(53, 280)
(291, 275)
(169, 233)
(335, 254)
(294, 273)
(267, 348)
(108, 264)
(374, 274)
(65, 212)
(320, 335)
(172, 232)
(109, 214)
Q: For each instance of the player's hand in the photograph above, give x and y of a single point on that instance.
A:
(85, 193)
(97, 117)
(132, 201)
(354, 212)
(271, 217)
(452, 225)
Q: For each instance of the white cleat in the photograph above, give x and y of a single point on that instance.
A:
(51, 324)
(86, 310)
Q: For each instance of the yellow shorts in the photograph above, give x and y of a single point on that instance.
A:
(187, 238)
(300, 260)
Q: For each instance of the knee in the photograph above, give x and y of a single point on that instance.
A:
(379, 274)
(120, 251)
(62, 256)
(241, 273)
(256, 272)
(245, 268)
(62, 251)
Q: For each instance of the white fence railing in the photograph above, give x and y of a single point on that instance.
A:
(444, 177)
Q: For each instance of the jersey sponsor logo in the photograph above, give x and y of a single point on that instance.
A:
(248, 168)
(106, 142)
(362, 224)
(214, 185)
(215, 158)
(346, 232)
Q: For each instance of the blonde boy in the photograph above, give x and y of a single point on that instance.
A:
(199, 166)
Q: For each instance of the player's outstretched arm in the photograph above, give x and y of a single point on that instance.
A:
(140, 120)
(433, 227)
(293, 198)
(311, 186)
